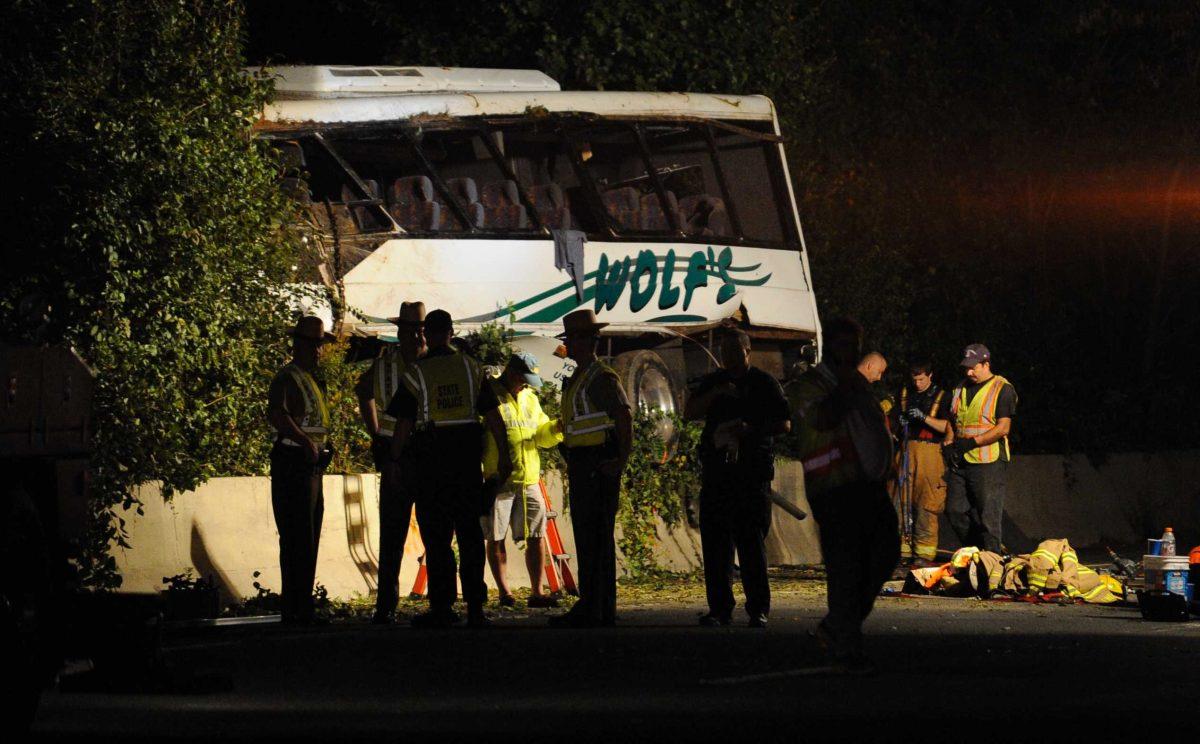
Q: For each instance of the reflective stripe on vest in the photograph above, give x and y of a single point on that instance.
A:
(583, 426)
(315, 422)
(923, 432)
(389, 372)
(825, 459)
(829, 458)
(446, 387)
(979, 417)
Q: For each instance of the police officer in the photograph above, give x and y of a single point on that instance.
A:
(920, 420)
(982, 407)
(297, 410)
(438, 408)
(597, 430)
(744, 409)
(375, 389)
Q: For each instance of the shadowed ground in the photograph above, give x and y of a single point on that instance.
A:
(950, 670)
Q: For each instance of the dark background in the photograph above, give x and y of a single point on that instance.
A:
(1021, 174)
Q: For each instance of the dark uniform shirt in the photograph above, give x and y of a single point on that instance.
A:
(758, 400)
(448, 446)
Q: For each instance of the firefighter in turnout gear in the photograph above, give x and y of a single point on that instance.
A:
(845, 450)
(437, 410)
(519, 503)
(920, 486)
(598, 437)
(297, 411)
(396, 494)
(977, 451)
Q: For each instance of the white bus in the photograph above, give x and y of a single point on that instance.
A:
(450, 186)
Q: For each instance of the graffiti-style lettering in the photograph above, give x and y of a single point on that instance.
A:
(610, 282)
(697, 276)
(669, 295)
(721, 265)
(647, 265)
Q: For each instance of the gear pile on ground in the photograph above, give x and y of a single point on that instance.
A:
(1051, 571)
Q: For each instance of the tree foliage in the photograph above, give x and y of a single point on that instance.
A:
(149, 220)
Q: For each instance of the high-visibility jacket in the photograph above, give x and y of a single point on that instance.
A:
(585, 425)
(978, 417)
(528, 428)
(315, 422)
(446, 388)
(1054, 566)
(388, 373)
(923, 432)
(828, 457)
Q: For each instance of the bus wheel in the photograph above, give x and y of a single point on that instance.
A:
(650, 387)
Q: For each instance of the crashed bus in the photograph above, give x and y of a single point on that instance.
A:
(670, 214)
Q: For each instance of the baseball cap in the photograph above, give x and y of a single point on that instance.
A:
(974, 354)
(527, 365)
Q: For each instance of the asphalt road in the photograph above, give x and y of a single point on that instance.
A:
(951, 670)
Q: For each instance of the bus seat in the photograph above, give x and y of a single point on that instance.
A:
(411, 204)
(654, 217)
(552, 205)
(502, 206)
(623, 205)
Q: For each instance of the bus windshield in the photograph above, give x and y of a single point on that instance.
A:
(516, 177)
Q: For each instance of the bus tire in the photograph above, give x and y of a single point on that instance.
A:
(650, 386)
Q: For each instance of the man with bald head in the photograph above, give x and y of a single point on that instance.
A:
(872, 366)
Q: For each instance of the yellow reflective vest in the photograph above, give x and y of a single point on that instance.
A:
(828, 457)
(445, 387)
(388, 373)
(528, 427)
(315, 422)
(979, 417)
(583, 424)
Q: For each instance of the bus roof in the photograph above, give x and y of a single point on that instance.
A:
(345, 95)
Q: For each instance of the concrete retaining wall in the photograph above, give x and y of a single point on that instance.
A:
(226, 529)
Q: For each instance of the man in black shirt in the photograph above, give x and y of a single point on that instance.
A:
(920, 486)
(744, 409)
(981, 412)
(438, 408)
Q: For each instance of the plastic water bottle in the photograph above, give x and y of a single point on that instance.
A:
(1168, 542)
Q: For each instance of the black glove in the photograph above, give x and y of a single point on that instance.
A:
(915, 416)
(963, 445)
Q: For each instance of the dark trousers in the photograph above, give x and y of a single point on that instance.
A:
(860, 542)
(448, 506)
(975, 503)
(594, 497)
(298, 501)
(395, 513)
(734, 513)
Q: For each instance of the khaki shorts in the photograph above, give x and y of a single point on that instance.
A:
(526, 515)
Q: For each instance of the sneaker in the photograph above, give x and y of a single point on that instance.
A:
(434, 620)
(714, 621)
(757, 620)
(542, 601)
(506, 600)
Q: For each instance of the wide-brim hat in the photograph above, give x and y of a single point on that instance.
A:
(312, 328)
(411, 313)
(581, 323)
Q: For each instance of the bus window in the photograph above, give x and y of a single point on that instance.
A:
(492, 202)
(754, 183)
(543, 169)
(613, 158)
(683, 161)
